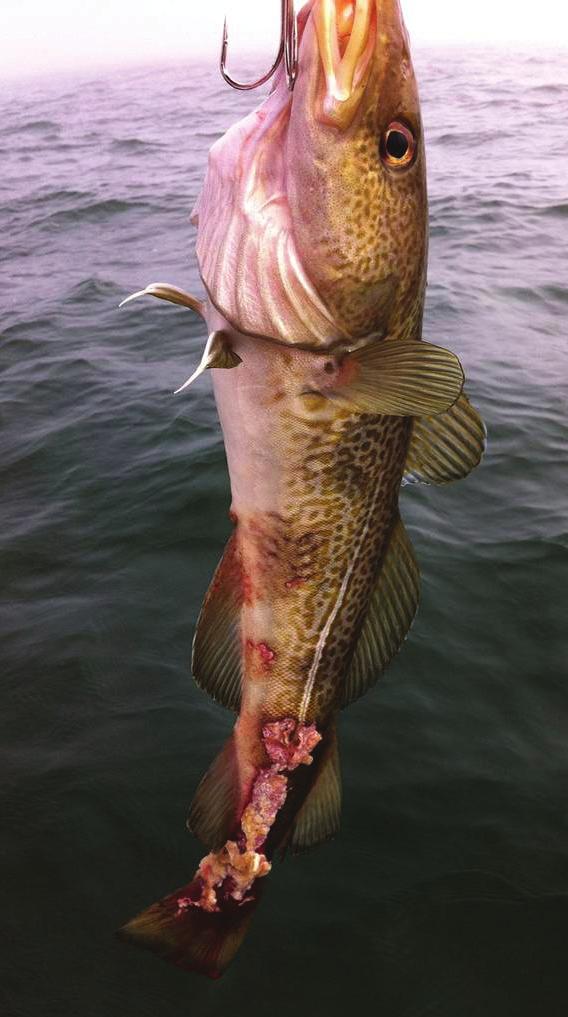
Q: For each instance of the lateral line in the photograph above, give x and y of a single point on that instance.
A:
(304, 705)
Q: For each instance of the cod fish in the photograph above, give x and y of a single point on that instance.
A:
(312, 247)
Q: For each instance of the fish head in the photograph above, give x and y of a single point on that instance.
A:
(356, 178)
(313, 217)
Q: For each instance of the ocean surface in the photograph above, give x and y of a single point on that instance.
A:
(446, 893)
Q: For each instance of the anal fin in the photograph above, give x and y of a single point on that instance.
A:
(216, 659)
(214, 812)
(445, 447)
(319, 817)
(391, 611)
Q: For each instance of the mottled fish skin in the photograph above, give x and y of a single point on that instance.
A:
(315, 486)
(315, 497)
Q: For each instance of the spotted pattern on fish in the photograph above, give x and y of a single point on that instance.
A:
(341, 477)
(362, 228)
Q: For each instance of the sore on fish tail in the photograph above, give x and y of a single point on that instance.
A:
(189, 937)
(201, 926)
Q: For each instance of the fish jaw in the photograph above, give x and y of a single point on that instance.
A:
(351, 35)
(346, 32)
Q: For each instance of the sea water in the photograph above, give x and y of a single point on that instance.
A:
(445, 893)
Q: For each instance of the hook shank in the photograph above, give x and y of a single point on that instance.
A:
(287, 52)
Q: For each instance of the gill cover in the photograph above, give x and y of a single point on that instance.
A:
(304, 235)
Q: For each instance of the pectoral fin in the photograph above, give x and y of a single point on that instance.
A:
(447, 447)
(216, 660)
(217, 353)
(171, 293)
(398, 377)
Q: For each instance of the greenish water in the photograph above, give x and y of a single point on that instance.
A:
(446, 893)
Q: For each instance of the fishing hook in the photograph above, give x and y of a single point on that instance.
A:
(287, 51)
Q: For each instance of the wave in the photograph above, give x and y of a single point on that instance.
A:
(556, 292)
(134, 146)
(92, 289)
(537, 294)
(48, 198)
(550, 88)
(31, 127)
(463, 138)
(93, 212)
(559, 211)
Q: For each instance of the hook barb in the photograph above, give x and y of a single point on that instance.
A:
(287, 52)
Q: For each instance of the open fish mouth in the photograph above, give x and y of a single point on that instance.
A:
(346, 33)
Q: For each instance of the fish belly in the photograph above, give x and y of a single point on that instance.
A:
(314, 501)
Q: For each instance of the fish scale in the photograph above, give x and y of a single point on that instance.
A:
(312, 488)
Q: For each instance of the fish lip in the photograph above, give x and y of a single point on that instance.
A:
(344, 75)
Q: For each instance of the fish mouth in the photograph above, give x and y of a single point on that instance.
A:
(346, 32)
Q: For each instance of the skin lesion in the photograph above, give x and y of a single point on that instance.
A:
(258, 656)
(230, 874)
(277, 554)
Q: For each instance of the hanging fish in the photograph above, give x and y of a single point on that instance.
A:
(312, 247)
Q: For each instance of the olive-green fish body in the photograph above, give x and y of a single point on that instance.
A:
(315, 498)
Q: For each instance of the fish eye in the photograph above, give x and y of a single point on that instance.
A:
(398, 145)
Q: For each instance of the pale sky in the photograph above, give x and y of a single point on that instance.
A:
(40, 35)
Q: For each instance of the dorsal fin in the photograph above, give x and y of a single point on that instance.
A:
(216, 660)
(447, 447)
(319, 817)
(391, 612)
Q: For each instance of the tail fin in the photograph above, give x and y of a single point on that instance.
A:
(201, 926)
(189, 937)
(178, 928)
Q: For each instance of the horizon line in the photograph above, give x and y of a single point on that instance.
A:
(109, 66)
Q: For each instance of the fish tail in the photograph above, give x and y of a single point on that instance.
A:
(188, 936)
(200, 926)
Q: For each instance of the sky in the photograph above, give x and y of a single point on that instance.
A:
(44, 35)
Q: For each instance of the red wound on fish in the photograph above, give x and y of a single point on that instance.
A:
(247, 587)
(224, 874)
(268, 796)
(229, 874)
(200, 925)
(293, 584)
(288, 743)
(347, 371)
(262, 650)
(266, 654)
